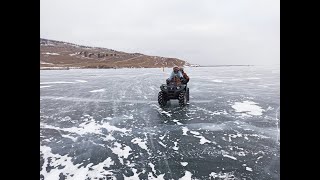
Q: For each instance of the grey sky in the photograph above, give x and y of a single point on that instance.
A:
(198, 31)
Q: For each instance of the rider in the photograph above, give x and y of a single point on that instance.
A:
(185, 76)
(175, 75)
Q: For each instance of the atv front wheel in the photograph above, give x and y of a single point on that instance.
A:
(182, 99)
(162, 99)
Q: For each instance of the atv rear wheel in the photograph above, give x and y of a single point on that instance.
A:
(182, 99)
(162, 100)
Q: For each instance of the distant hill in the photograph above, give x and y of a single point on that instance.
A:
(58, 54)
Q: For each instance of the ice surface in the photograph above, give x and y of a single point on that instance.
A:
(107, 123)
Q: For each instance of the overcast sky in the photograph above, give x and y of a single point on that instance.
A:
(206, 32)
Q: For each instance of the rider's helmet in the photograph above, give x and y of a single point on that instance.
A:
(175, 69)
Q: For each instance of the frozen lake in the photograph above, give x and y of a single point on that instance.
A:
(107, 124)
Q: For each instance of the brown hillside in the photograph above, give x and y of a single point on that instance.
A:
(62, 54)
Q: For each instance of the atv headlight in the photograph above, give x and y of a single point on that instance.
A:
(164, 87)
(178, 87)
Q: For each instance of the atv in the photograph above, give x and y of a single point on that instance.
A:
(173, 90)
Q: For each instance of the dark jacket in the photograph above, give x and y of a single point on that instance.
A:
(186, 77)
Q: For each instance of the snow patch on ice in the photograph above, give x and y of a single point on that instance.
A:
(152, 167)
(87, 127)
(162, 144)
(161, 137)
(248, 107)
(159, 177)
(185, 130)
(184, 163)
(70, 170)
(109, 137)
(203, 140)
(70, 137)
(98, 90)
(221, 175)
(83, 81)
(121, 151)
(187, 176)
(235, 135)
(211, 112)
(177, 121)
(128, 117)
(219, 112)
(195, 132)
(135, 175)
(161, 111)
(175, 146)
(231, 157)
(248, 169)
(140, 142)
